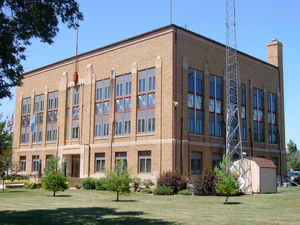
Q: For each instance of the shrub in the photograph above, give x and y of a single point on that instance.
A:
(204, 184)
(118, 181)
(226, 184)
(89, 183)
(136, 184)
(163, 190)
(100, 183)
(32, 185)
(78, 186)
(148, 183)
(185, 192)
(173, 180)
(297, 180)
(147, 191)
(54, 179)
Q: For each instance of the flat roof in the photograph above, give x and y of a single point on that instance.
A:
(161, 29)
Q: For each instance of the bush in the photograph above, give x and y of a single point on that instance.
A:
(100, 183)
(297, 180)
(136, 184)
(54, 179)
(89, 183)
(33, 185)
(204, 184)
(78, 186)
(185, 192)
(163, 190)
(147, 191)
(148, 183)
(118, 181)
(227, 184)
(173, 180)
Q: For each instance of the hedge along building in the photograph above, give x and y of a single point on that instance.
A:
(154, 102)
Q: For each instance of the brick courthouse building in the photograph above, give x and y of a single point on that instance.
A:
(154, 102)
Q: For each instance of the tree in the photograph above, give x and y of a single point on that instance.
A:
(5, 150)
(54, 179)
(292, 157)
(118, 181)
(23, 20)
(226, 183)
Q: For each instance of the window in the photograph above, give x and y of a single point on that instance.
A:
(195, 102)
(196, 162)
(272, 118)
(35, 163)
(38, 119)
(23, 163)
(146, 101)
(99, 162)
(48, 157)
(217, 160)
(52, 116)
(25, 120)
(145, 162)
(121, 160)
(258, 115)
(243, 112)
(76, 95)
(75, 132)
(215, 106)
(102, 108)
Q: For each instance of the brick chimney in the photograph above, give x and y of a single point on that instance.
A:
(275, 57)
(275, 54)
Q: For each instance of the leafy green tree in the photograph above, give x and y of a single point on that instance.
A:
(292, 157)
(226, 183)
(23, 20)
(5, 150)
(118, 181)
(54, 179)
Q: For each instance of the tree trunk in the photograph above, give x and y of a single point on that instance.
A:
(53, 193)
(3, 185)
(226, 199)
(118, 196)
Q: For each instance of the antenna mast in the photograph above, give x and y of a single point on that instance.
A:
(233, 123)
(171, 11)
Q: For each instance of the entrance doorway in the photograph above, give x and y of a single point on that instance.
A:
(75, 166)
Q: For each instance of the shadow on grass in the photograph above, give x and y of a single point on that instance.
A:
(232, 203)
(80, 216)
(125, 200)
(60, 196)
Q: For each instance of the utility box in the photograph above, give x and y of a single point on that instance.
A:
(260, 176)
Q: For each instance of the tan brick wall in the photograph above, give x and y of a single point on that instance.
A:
(171, 54)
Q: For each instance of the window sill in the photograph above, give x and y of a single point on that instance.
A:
(145, 134)
(196, 135)
(121, 136)
(101, 138)
(51, 142)
(24, 144)
(37, 143)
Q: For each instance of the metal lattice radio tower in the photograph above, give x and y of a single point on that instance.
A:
(233, 122)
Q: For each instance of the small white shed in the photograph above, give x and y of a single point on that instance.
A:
(260, 176)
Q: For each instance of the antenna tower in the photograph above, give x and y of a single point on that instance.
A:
(234, 150)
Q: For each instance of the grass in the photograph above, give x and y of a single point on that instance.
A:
(32, 207)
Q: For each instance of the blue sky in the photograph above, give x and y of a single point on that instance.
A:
(258, 23)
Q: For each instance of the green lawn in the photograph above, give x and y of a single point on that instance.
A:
(32, 207)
